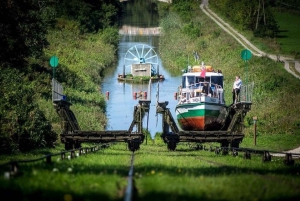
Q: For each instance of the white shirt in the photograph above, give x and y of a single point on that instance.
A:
(237, 84)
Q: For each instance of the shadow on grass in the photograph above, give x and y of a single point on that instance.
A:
(280, 34)
(215, 169)
(16, 193)
(202, 196)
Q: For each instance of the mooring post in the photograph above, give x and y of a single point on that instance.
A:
(123, 71)
(254, 122)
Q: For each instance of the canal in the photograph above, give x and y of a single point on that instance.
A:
(121, 100)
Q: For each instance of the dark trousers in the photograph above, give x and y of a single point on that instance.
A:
(235, 95)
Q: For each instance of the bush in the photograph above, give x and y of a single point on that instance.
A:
(22, 125)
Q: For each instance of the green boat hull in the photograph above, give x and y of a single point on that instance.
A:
(200, 116)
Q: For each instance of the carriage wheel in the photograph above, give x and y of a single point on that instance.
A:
(134, 145)
(172, 145)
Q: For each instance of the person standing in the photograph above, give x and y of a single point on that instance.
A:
(236, 88)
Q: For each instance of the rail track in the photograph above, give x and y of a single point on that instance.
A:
(14, 167)
(130, 189)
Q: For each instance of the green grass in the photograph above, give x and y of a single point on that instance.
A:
(96, 175)
(203, 175)
(289, 37)
(184, 174)
(275, 142)
(288, 40)
(159, 174)
(274, 101)
(79, 72)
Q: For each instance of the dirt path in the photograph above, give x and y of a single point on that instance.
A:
(246, 43)
(255, 51)
(294, 152)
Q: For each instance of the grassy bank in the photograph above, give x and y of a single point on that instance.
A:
(274, 100)
(288, 38)
(82, 59)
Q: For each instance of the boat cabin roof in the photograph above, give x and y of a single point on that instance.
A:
(207, 74)
(191, 78)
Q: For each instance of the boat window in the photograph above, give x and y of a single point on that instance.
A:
(217, 80)
(191, 79)
(207, 79)
(183, 81)
(199, 79)
(187, 80)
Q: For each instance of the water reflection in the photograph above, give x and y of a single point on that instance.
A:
(121, 101)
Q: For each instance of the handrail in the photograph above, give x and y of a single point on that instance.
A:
(246, 92)
(190, 90)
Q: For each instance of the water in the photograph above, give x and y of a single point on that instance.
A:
(121, 102)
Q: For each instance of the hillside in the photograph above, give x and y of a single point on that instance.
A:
(274, 100)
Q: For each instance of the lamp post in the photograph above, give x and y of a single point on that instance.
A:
(254, 122)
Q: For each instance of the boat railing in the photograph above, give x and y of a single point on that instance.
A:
(246, 92)
(201, 89)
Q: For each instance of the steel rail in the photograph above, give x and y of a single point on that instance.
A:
(129, 189)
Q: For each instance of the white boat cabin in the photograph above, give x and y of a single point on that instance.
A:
(141, 69)
(195, 89)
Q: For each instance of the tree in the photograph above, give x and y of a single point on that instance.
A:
(92, 15)
(247, 15)
(23, 32)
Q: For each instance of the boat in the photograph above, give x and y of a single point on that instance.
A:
(201, 104)
(141, 64)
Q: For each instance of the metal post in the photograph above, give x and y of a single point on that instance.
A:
(123, 71)
(246, 72)
(254, 122)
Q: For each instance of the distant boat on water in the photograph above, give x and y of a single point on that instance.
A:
(141, 64)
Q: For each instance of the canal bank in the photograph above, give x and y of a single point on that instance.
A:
(121, 100)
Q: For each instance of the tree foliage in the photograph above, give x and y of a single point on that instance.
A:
(249, 15)
(22, 32)
(93, 15)
(184, 8)
(25, 73)
(22, 125)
